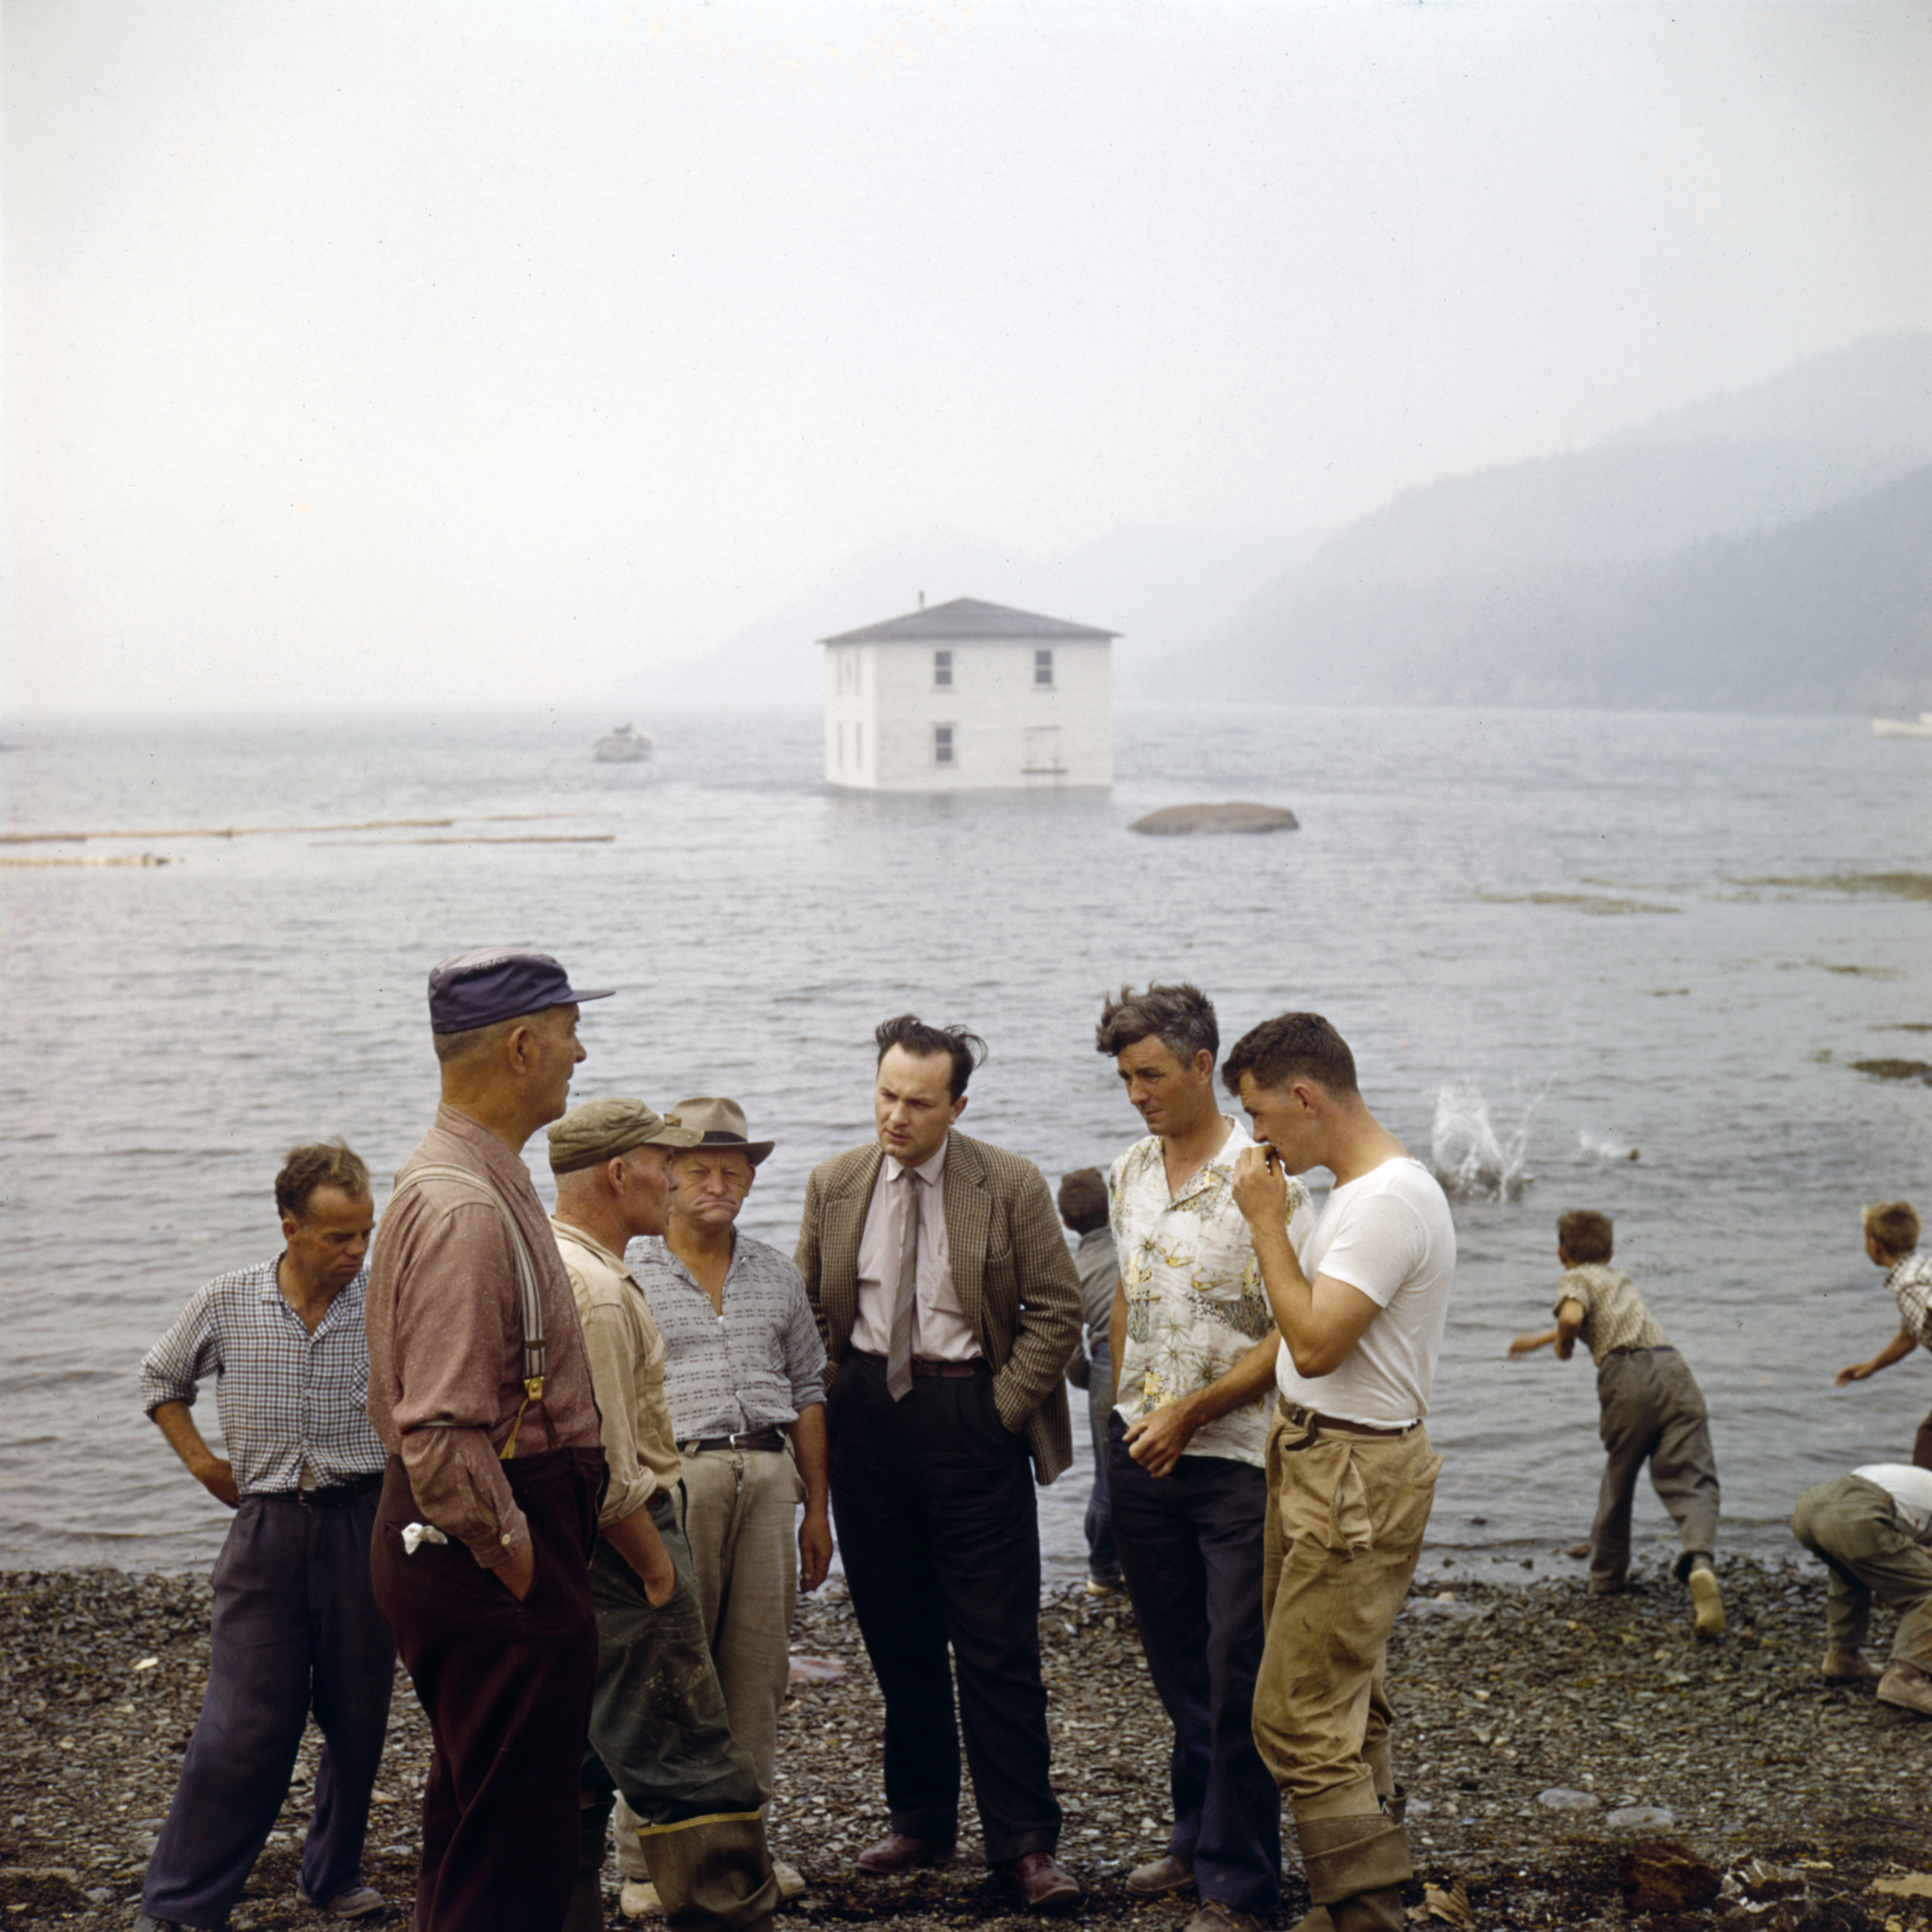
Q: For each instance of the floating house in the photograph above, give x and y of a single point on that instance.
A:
(969, 696)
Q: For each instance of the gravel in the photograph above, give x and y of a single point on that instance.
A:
(1549, 1741)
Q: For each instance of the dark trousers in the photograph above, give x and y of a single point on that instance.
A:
(933, 1501)
(1653, 1411)
(295, 1625)
(659, 1729)
(506, 1687)
(1103, 1558)
(1190, 1547)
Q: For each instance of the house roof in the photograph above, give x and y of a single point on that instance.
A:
(966, 617)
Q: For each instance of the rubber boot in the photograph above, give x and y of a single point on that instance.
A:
(714, 1874)
(585, 1912)
(1357, 1865)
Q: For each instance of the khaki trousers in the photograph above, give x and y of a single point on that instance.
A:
(1341, 1536)
(1853, 1527)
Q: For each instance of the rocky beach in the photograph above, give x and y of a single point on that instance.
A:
(1571, 1763)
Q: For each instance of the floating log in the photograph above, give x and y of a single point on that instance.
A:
(1235, 815)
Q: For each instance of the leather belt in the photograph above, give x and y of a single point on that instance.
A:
(920, 1366)
(1299, 1418)
(338, 1495)
(751, 1438)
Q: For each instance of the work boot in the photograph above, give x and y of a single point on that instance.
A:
(585, 1912)
(1357, 1864)
(714, 1874)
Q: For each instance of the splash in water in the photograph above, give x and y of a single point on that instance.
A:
(1606, 1147)
(1472, 1159)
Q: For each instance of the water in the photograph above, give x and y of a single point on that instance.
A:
(1547, 936)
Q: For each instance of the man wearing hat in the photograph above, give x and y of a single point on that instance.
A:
(480, 1390)
(743, 1371)
(659, 1729)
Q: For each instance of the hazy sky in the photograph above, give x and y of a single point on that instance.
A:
(363, 351)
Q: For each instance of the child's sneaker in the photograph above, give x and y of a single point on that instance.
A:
(1706, 1603)
(1848, 1667)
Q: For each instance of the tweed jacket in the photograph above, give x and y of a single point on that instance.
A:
(1011, 1267)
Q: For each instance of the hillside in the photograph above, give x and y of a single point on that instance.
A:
(1765, 550)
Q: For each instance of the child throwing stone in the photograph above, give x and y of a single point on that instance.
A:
(1892, 1234)
(1653, 1412)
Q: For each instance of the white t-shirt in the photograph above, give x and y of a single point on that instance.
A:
(1910, 1488)
(1387, 1233)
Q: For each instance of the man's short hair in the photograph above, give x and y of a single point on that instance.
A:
(1892, 1228)
(1180, 1016)
(911, 1035)
(452, 1047)
(1585, 1235)
(324, 1164)
(1082, 1199)
(1289, 1047)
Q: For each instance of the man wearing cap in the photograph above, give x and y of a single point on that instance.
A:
(480, 1388)
(296, 1624)
(950, 1308)
(744, 1371)
(659, 1729)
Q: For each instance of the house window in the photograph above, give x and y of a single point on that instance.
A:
(1043, 669)
(943, 744)
(859, 745)
(942, 670)
(841, 748)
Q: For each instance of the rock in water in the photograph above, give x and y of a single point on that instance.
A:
(1237, 815)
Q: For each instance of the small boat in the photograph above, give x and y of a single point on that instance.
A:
(623, 746)
(1902, 727)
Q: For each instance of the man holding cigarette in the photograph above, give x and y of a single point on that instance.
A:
(1361, 1302)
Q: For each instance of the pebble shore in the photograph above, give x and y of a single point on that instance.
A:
(1555, 1747)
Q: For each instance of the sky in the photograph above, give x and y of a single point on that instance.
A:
(367, 354)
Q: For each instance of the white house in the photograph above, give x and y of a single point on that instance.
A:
(968, 697)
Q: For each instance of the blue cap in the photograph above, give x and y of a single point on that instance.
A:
(473, 990)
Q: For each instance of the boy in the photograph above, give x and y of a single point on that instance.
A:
(1892, 1233)
(1653, 1412)
(1874, 1530)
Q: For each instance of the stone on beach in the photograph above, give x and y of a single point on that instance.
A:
(1234, 815)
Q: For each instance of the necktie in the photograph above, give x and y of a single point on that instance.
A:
(899, 1351)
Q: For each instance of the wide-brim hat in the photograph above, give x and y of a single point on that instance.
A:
(720, 1125)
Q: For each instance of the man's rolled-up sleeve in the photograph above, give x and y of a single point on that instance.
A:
(190, 1350)
(611, 1342)
(450, 1344)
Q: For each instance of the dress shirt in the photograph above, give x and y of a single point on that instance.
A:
(627, 1369)
(445, 1324)
(1196, 1303)
(940, 1332)
(1910, 1282)
(286, 1398)
(755, 1365)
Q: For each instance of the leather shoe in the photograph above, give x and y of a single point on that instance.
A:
(1161, 1876)
(1044, 1884)
(899, 1851)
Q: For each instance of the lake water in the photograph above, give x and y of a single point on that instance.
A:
(1549, 937)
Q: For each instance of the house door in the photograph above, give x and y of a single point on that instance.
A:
(1042, 764)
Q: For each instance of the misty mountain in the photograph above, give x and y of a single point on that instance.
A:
(1164, 589)
(1765, 550)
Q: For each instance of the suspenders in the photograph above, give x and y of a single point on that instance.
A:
(527, 1283)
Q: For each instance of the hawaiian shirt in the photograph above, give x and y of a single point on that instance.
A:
(1196, 1303)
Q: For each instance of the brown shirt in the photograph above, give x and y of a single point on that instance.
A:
(627, 1365)
(444, 1319)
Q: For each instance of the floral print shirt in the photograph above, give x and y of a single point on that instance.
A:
(1195, 1299)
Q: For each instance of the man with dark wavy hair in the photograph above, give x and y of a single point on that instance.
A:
(950, 1308)
(296, 1621)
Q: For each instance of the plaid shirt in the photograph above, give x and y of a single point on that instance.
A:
(755, 1366)
(285, 1396)
(1910, 1282)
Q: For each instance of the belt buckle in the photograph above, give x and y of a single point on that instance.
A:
(1297, 1417)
